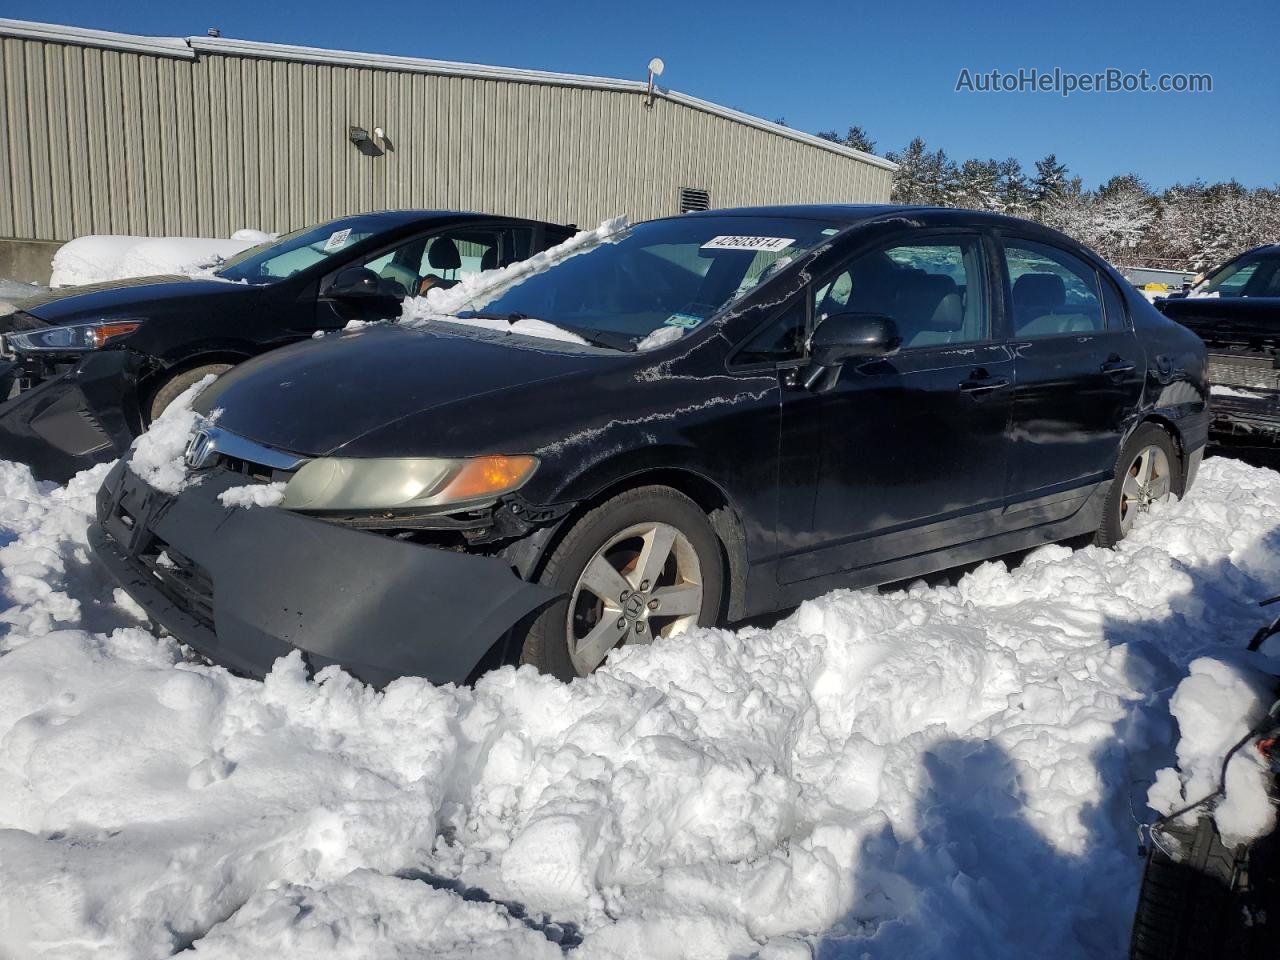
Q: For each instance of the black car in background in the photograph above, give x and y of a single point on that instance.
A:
(85, 369)
(1235, 309)
(723, 414)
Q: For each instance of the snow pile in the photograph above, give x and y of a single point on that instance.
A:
(477, 290)
(157, 455)
(94, 259)
(253, 495)
(1222, 700)
(933, 772)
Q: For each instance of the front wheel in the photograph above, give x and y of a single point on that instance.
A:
(173, 388)
(644, 565)
(1148, 471)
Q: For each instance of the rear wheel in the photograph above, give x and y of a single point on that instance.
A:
(643, 565)
(173, 388)
(1148, 471)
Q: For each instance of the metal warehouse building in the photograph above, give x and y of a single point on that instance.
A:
(111, 133)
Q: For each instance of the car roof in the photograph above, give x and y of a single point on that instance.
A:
(854, 213)
(399, 218)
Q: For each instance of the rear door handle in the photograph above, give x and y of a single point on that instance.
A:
(1117, 367)
(981, 386)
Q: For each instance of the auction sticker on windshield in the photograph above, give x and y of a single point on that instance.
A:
(336, 240)
(768, 244)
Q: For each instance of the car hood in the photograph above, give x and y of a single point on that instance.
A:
(116, 297)
(313, 398)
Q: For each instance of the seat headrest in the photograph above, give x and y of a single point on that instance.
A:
(923, 302)
(490, 259)
(1042, 292)
(444, 254)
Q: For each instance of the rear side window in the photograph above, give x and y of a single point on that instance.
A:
(1052, 292)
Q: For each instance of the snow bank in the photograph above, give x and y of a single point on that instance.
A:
(476, 291)
(1221, 701)
(933, 772)
(94, 259)
(157, 455)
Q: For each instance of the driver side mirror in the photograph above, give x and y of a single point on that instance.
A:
(355, 283)
(847, 336)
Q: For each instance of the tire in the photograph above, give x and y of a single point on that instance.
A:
(1188, 907)
(171, 389)
(1150, 445)
(574, 635)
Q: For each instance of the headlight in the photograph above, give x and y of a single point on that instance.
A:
(343, 483)
(72, 338)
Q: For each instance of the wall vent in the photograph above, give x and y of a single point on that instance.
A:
(691, 198)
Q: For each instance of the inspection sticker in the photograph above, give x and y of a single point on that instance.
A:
(768, 244)
(685, 321)
(337, 239)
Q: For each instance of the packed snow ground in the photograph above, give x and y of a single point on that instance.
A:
(944, 771)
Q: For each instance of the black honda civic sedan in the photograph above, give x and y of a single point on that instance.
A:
(84, 370)
(697, 420)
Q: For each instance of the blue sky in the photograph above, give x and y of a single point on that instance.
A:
(891, 68)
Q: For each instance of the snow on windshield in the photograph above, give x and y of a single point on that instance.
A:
(473, 292)
(938, 771)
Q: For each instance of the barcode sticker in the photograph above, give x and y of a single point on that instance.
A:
(766, 244)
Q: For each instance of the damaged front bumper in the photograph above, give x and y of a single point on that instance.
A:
(85, 414)
(246, 586)
(1253, 417)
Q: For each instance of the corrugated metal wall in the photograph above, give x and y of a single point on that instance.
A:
(111, 141)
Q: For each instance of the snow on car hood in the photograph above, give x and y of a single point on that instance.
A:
(315, 396)
(934, 772)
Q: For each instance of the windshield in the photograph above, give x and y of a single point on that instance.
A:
(1252, 275)
(661, 279)
(299, 250)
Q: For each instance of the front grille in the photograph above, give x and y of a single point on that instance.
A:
(1247, 372)
(181, 579)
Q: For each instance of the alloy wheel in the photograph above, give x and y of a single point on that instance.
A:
(645, 581)
(1147, 481)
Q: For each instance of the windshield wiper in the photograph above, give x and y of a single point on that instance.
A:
(608, 339)
(598, 338)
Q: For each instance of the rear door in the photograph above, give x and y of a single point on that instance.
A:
(908, 454)
(1079, 372)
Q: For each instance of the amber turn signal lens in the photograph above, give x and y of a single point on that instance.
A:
(487, 475)
(109, 331)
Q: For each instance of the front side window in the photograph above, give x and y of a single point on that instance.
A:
(1052, 292)
(932, 289)
(442, 260)
(664, 273)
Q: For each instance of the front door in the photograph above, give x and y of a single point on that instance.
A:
(905, 455)
(417, 265)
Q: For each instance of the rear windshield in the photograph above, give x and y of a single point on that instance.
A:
(673, 274)
(1251, 275)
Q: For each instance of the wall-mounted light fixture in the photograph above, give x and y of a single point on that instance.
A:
(358, 135)
(656, 66)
